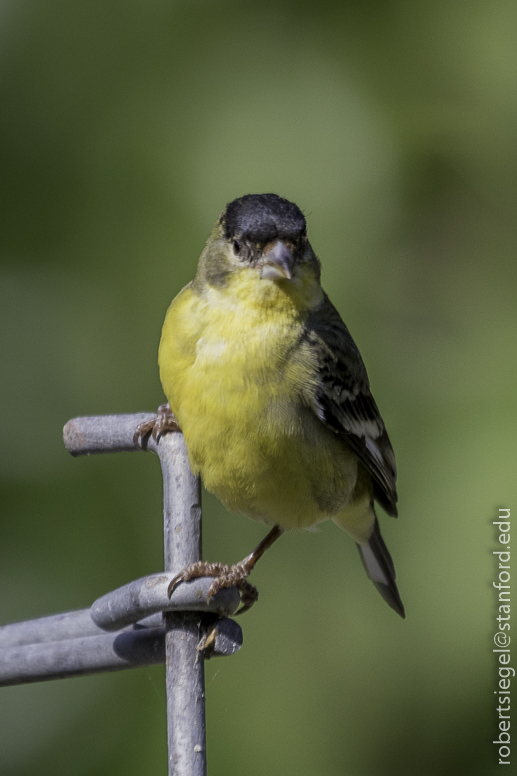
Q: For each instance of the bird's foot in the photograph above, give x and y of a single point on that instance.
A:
(163, 422)
(224, 576)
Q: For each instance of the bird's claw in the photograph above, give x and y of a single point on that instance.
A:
(163, 422)
(224, 576)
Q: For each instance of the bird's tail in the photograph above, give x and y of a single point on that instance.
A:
(380, 569)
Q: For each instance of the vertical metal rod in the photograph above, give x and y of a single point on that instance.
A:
(184, 665)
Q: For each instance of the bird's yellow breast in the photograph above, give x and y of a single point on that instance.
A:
(239, 379)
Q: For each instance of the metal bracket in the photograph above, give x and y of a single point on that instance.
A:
(137, 624)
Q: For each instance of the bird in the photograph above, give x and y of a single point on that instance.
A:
(272, 396)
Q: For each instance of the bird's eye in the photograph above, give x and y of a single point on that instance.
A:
(237, 246)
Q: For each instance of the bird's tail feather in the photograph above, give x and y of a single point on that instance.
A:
(380, 569)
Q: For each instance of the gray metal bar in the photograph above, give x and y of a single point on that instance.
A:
(145, 596)
(139, 602)
(37, 661)
(184, 666)
(104, 434)
(63, 627)
(55, 628)
(81, 656)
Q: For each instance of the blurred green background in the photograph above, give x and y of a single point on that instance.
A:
(125, 127)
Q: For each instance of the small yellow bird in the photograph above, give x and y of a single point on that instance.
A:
(271, 394)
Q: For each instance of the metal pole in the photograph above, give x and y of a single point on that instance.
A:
(182, 536)
(184, 659)
(184, 663)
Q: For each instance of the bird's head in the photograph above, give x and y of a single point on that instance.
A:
(259, 246)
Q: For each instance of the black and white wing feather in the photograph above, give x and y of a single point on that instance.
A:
(345, 404)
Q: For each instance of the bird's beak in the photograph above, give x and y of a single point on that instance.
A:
(278, 263)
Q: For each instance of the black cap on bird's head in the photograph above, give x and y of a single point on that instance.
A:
(261, 218)
(262, 233)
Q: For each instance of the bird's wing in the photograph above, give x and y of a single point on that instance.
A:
(343, 400)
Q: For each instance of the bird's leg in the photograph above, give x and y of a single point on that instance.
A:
(229, 576)
(164, 421)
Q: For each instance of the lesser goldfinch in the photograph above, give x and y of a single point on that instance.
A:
(270, 391)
